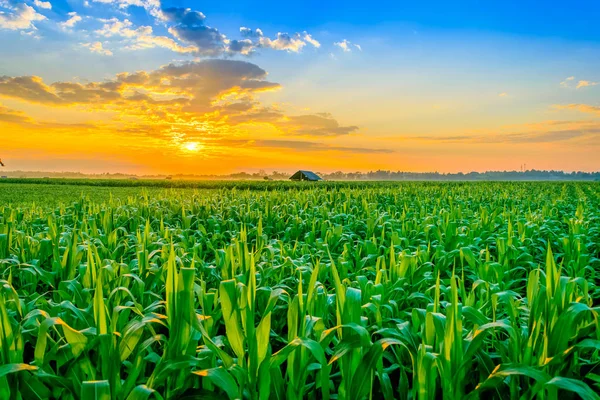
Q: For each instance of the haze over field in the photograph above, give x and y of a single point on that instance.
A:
(182, 87)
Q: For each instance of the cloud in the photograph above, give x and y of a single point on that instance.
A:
(585, 108)
(283, 41)
(243, 46)
(191, 86)
(314, 146)
(189, 27)
(12, 116)
(314, 125)
(97, 47)
(569, 83)
(545, 137)
(70, 23)
(503, 94)
(19, 17)
(545, 132)
(319, 125)
(140, 38)
(189, 34)
(184, 16)
(152, 6)
(43, 4)
(32, 33)
(192, 100)
(29, 88)
(581, 84)
(311, 40)
(346, 46)
(249, 33)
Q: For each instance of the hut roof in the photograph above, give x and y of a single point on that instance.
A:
(305, 176)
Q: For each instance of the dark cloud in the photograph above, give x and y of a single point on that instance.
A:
(244, 46)
(202, 80)
(184, 16)
(30, 88)
(180, 97)
(208, 41)
(188, 26)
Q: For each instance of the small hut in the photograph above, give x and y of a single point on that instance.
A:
(305, 176)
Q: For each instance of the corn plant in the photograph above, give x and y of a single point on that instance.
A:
(296, 291)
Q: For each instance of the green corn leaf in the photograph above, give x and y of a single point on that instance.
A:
(221, 379)
(95, 390)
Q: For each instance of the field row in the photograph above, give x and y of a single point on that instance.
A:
(395, 291)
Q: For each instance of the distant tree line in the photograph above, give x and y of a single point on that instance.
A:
(380, 175)
(529, 175)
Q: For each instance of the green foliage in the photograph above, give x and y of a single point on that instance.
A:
(283, 291)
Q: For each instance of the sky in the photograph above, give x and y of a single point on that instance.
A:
(169, 87)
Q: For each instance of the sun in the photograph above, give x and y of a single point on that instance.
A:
(192, 146)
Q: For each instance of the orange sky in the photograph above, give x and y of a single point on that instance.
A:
(109, 95)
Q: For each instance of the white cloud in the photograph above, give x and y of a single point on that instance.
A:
(566, 82)
(142, 37)
(346, 45)
(569, 83)
(97, 47)
(190, 34)
(503, 94)
(70, 23)
(116, 27)
(21, 16)
(152, 6)
(147, 4)
(283, 42)
(581, 84)
(42, 4)
(32, 34)
(311, 40)
(247, 32)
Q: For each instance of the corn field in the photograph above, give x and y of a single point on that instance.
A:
(392, 291)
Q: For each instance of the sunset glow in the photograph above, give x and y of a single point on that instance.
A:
(161, 87)
(192, 146)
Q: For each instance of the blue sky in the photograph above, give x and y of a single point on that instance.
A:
(439, 82)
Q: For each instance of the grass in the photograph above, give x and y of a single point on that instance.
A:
(287, 291)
